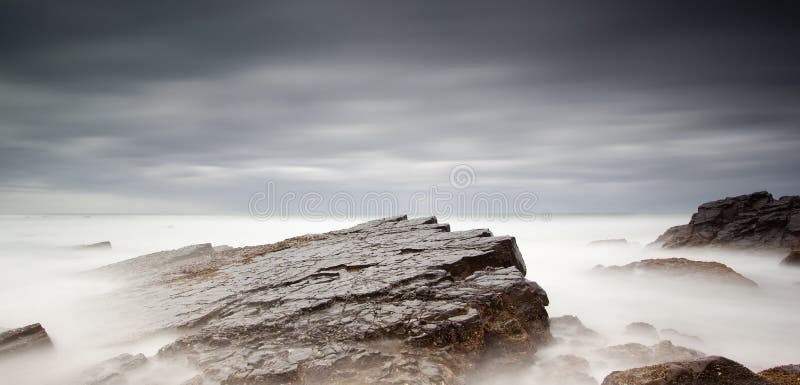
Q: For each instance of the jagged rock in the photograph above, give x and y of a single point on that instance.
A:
(609, 242)
(704, 371)
(782, 375)
(683, 268)
(793, 259)
(386, 302)
(24, 339)
(642, 330)
(113, 371)
(570, 329)
(95, 246)
(746, 222)
(635, 354)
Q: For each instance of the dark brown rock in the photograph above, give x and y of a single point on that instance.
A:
(793, 259)
(704, 371)
(783, 375)
(683, 268)
(24, 339)
(755, 221)
(386, 302)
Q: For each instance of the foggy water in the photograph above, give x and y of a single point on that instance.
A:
(39, 282)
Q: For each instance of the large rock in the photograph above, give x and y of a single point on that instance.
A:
(386, 302)
(704, 371)
(752, 221)
(24, 339)
(682, 268)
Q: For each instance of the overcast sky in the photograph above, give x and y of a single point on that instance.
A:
(599, 106)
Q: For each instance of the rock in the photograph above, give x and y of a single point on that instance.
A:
(564, 369)
(113, 371)
(642, 330)
(704, 371)
(755, 221)
(385, 302)
(635, 354)
(683, 268)
(676, 336)
(609, 242)
(95, 246)
(24, 339)
(168, 260)
(570, 329)
(782, 375)
(793, 259)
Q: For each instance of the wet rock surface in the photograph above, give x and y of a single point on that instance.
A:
(682, 268)
(704, 371)
(24, 339)
(754, 221)
(392, 301)
(782, 375)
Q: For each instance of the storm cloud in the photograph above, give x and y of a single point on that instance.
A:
(594, 106)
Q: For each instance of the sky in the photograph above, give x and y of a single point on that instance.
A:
(593, 106)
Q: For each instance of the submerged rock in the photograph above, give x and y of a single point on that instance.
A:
(569, 329)
(782, 375)
(642, 330)
(793, 259)
(683, 268)
(385, 302)
(635, 354)
(704, 371)
(609, 242)
(95, 246)
(113, 371)
(24, 339)
(752, 221)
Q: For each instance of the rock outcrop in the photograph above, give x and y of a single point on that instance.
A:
(793, 259)
(570, 330)
(782, 375)
(386, 302)
(704, 371)
(112, 371)
(635, 354)
(682, 268)
(755, 221)
(642, 330)
(24, 339)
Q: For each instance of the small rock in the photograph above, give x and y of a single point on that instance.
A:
(704, 371)
(113, 371)
(564, 369)
(783, 375)
(609, 242)
(571, 330)
(642, 330)
(793, 259)
(95, 246)
(676, 336)
(706, 272)
(635, 354)
(24, 339)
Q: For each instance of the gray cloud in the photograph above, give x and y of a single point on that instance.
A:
(622, 106)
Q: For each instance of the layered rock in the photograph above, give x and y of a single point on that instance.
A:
(24, 339)
(385, 302)
(682, 268)
(752, 221)
(704, 371)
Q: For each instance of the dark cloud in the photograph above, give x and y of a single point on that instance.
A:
(596, 106)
